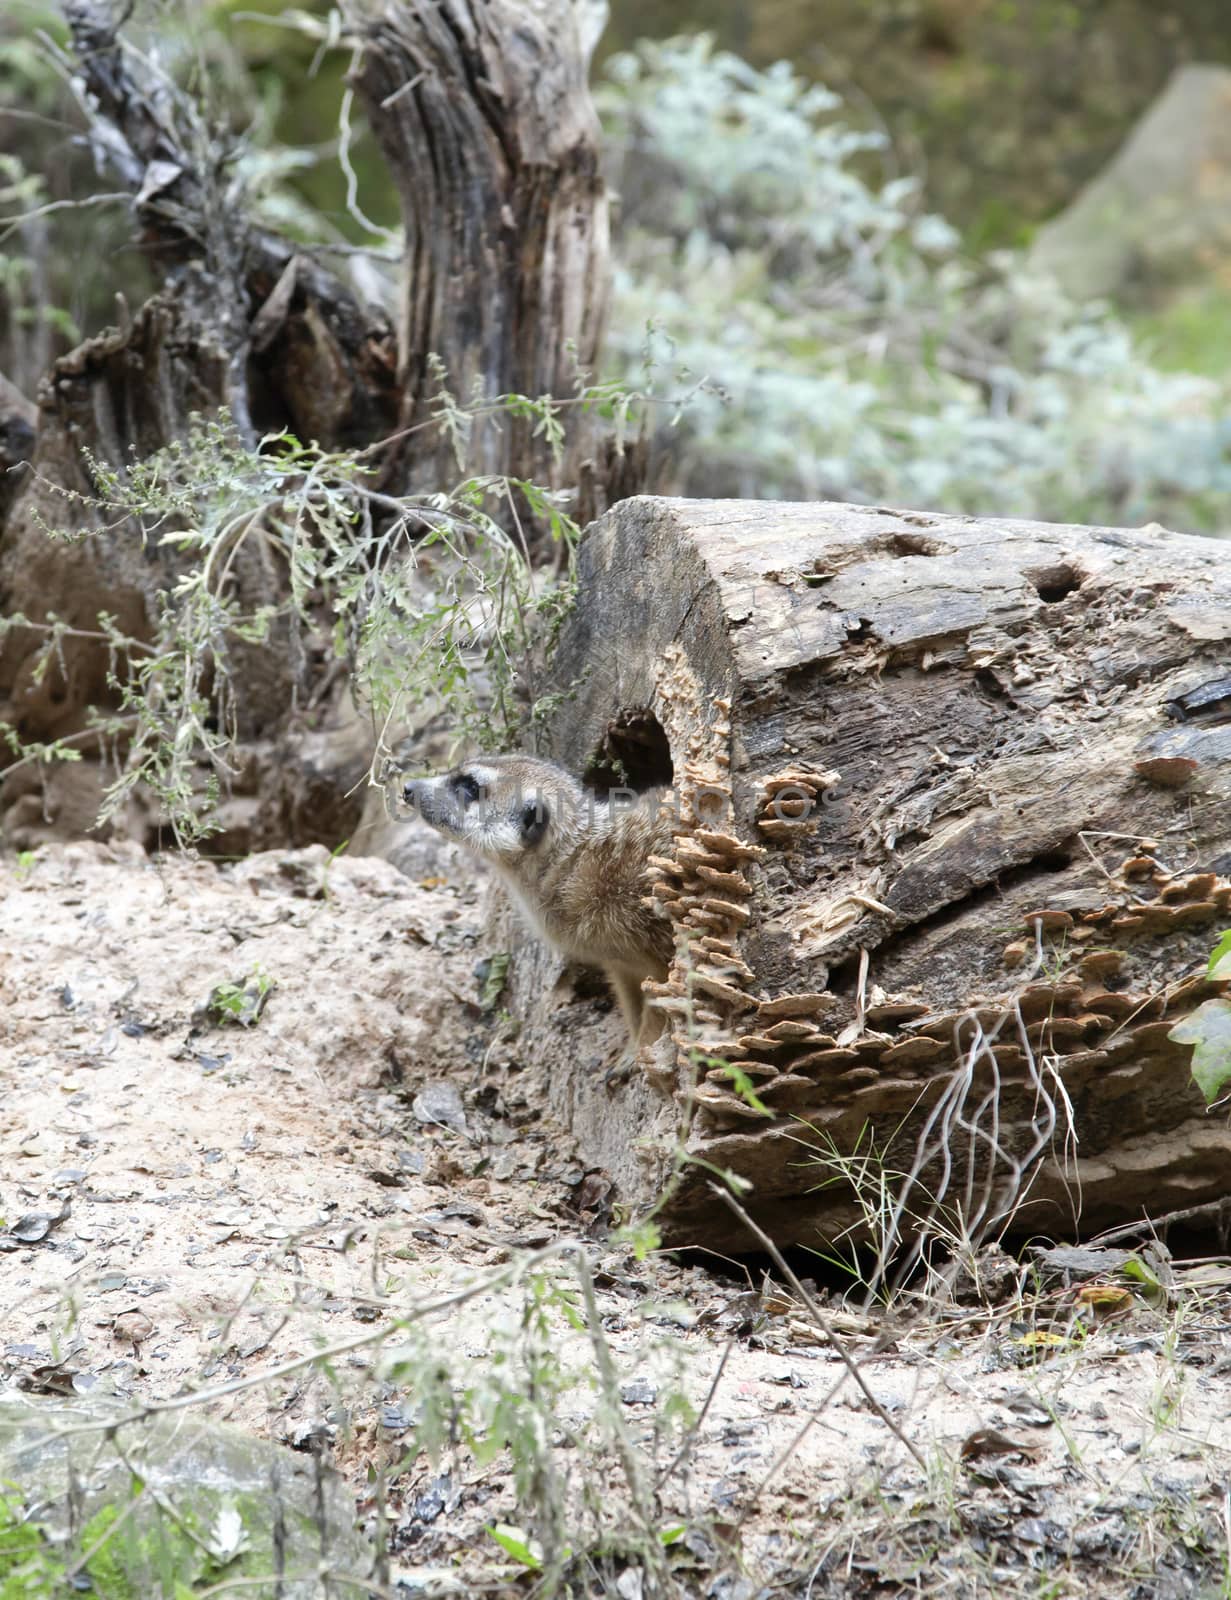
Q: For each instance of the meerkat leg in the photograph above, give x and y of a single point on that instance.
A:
(645, 1023)
(653, 1025)
(627, 986)
(627, 990)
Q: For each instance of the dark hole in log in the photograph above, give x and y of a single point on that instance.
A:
(844, 976)
(990, 684)
(1054, 860)
(1055, 583)
(633, 754)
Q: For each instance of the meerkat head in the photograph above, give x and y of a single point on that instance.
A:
(507, 809)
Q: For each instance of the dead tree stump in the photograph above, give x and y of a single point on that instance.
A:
(483, 112)
(486, 120)
(954, 842)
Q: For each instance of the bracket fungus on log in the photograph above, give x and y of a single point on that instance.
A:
(935, 897)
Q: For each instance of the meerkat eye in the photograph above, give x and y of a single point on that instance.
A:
(468, 788)
(534, 819)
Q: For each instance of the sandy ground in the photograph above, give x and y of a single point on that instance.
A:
(191, 1203)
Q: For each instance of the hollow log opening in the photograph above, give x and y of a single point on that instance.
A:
(634, 753)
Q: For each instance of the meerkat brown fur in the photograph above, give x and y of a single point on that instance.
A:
(574, 864)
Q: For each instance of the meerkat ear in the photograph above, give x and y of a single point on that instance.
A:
(534, 819)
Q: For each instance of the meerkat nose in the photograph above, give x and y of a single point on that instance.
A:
(410, 791)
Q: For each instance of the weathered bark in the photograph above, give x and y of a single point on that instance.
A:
(484, 112)
(989, 760)
(301, 349)
(18, 417)
(490, 134)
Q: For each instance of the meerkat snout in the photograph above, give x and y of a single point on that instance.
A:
(574, 863)
(495, 812)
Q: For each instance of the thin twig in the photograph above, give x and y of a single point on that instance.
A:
(792, 1445)
(344, 161)
(641, 1492)
(819, 1317)
(404, 89)
(108, 1533)
(326, 1354)
(351, 1580)
(59, 205)
(1209, 1208)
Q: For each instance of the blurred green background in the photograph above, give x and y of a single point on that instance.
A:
(844, 261)
(1014, 104)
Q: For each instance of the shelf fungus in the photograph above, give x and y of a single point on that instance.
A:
(790, 802)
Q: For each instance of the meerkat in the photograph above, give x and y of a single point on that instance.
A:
(574, 864)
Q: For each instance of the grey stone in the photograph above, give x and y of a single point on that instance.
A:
(1159, 215)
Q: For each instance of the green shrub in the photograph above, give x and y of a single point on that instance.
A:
(849, 351)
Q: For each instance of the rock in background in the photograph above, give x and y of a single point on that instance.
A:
(1158, 216)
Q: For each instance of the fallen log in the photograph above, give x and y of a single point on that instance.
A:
(953, 844)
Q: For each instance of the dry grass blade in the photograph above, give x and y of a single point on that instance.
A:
(819, 1318)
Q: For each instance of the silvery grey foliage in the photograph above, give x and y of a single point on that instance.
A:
(850, 350)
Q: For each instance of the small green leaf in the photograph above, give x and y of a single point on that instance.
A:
(1208, 1030)
(513, 1542)
(1220, 959)
(1135, 1267)
(642, 1238)
(1138, 1270)
(673, 1534)
(740, 1082)
(493, 980)
(240, 1003)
